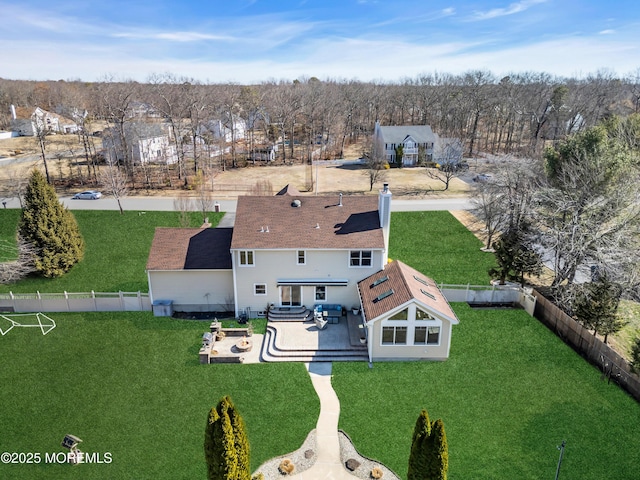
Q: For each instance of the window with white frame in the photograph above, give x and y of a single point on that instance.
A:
(246, 258)
(360, 258)
(401, 315)
(302, 258)
(321, 293)
(260, 289)
(426, 335)
(394, 335)
(422, 315)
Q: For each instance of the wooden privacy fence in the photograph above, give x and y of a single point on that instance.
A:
(613, 366)
(75, 302)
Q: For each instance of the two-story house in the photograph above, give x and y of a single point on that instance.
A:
(294, 252)
(28, 122)
(144, 143)
(287, 250)
(417, 143)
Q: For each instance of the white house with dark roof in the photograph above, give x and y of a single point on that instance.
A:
(295, 253)
(416, 141)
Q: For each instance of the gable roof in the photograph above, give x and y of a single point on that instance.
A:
(316, 222)
(398, 134)
(190, 249)
(289, 190)
(405, 284)
(27, 113)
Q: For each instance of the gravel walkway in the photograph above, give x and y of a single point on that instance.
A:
(304, 461)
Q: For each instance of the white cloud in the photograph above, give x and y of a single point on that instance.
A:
(174, 36)
(607, 32)
(510, 10)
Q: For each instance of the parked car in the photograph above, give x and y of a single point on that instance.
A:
(87, 195)
(482, 177)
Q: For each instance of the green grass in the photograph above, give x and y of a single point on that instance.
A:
(508, 395)
(117, 247)
(437, 244)
(130, 384)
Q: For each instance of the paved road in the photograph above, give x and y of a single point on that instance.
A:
(228, 205)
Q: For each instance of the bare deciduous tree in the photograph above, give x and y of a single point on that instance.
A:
(183, 205)
(114, 182)
(14, 270)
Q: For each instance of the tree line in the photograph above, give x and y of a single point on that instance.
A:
(515, 114)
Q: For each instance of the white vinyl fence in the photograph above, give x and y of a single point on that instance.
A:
(75, 302)
(490, 295)
(138, 301)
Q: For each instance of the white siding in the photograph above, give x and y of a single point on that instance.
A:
(193, 290)
(271, 265)
(409, 351)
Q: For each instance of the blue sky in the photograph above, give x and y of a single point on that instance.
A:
(249, 41)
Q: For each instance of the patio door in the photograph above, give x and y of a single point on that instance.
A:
(291, 295)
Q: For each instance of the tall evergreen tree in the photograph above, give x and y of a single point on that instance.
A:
(429, 457)
(438, 453)
(419, 447)
(596, 307)
(50, 228)
(226, 447)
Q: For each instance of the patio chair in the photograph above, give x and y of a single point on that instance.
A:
(320, 322)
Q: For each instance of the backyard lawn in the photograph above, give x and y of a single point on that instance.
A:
(129, 384)
(117, 247)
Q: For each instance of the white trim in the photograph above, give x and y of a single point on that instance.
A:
(315, 293)
(247, 252)
(360, 258)
(280, 287)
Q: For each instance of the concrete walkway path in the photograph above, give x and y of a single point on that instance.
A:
(328, 465)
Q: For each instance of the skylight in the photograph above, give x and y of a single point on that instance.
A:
(383, 296)
(422, 281)
(430, 295)
(379, 281)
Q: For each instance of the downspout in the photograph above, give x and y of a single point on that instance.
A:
(235, 283)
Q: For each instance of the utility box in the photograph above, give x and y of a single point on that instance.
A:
(162, 308)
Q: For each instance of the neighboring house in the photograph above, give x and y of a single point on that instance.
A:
(224, 129)
(406, 315)
(142, 111)
(416, 140)
(146, 142)
(29, 121)
(267, 154)
(447, 151)
(292, 251)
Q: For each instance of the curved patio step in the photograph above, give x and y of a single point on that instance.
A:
(272, 353)
(294, 314)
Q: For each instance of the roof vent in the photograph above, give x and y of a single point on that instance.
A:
(296, 203)
(317, 225)
(340, 201)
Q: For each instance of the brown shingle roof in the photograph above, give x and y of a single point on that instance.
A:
(406, 283)
(356, 224)
(289, 190)
(190, 249)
